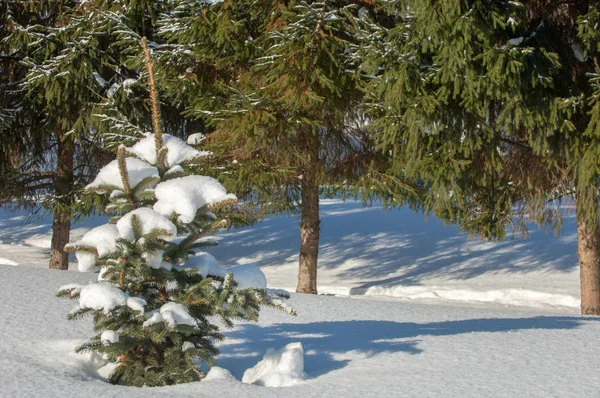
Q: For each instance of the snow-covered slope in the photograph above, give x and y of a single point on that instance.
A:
(365, 251)
(354, 347)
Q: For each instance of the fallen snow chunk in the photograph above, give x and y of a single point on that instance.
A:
(136, 303)
(217, 373)
(278, 368)
(110, 175)
(185, 195)
(102, 296)
(248, 276)
(73, 287)
(187, 346)
(202, 262)
(109, 337)
(178, 150)
(107, 370)
(149, 220)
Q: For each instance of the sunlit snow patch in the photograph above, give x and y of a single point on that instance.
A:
(5, 261)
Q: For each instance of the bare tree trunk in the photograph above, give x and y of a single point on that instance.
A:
(310, 223)
(61, 225)
(588, 249)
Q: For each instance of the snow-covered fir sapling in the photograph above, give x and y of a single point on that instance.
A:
(156, 290)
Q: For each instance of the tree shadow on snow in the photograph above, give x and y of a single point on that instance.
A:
(329, 346)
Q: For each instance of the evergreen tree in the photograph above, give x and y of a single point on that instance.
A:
(69, 77)
(156, 292)
(494, 105)
(278, 82)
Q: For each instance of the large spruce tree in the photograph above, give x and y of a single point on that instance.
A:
(495, 106)
(279, 84)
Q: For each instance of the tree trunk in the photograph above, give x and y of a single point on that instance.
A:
(310, 221)
(61, 225)
(588, 249)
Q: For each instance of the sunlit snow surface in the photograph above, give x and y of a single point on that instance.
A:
(364, 251)
(353, 347)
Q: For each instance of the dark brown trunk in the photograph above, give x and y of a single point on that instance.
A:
(588, 249)
(310, 223)
(61, 225)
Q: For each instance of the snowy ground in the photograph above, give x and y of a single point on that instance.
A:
(365, 251)
(354, 347)
(486, 319)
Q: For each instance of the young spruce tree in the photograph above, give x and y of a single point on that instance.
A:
(155, 290)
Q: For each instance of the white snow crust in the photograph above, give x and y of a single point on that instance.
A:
(355, 347)
(109, 337)
(178, 151)
(248, 276)
(202, 262)
(136, 303)
(187, 346)
(102, 296)
(172, 313)
(110, 175)
(185, 195)
(278, 368)
(103, 238)
(149, 220)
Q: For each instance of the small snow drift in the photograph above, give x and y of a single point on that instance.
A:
(217, 373)
(278, 368)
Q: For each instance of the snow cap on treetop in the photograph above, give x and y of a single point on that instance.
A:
(178, 151)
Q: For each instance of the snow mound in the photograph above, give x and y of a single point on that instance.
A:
(172, 313)
(185, 195)
(217, 373)
(517, 297)
(103, 238)
(102, 296)
(149, 220)
(278, 368)
(248, 276)
(202, 262)
(110, 175)
(178, 150)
